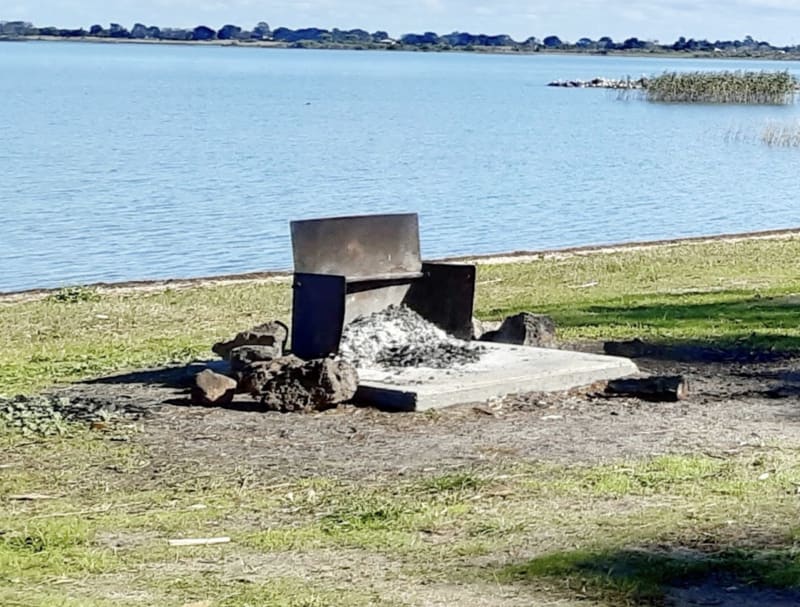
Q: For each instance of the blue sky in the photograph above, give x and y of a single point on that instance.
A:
(774, 20)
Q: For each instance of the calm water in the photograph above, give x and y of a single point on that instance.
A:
(134, 161)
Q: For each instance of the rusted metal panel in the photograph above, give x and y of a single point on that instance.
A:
(445, 296)
(318, 309)
(359, 246)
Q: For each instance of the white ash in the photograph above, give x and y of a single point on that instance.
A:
(399, 337)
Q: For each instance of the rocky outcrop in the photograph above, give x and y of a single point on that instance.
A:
(601, 83)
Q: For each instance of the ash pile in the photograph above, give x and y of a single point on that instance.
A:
(261, 367)
(399, 337)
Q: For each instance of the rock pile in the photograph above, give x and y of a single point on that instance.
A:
(395, 337)
(399, 337)
(602, 83)
(279, 382)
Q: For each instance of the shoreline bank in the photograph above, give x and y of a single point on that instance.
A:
(522, 256)
(480, 50)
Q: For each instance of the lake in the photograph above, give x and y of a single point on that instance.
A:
(124, 161)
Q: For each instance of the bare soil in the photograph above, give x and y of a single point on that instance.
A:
(738, 400)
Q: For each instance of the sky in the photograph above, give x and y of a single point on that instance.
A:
(775, 21)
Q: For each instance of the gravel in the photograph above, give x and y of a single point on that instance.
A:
(399, 337)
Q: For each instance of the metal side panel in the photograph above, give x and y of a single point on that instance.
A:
(317, 314)
(361, 246)
(445, 296)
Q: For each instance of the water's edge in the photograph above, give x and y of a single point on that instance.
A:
(487, 259)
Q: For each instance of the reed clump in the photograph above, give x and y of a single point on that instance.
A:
(782, 134)
(745, 87)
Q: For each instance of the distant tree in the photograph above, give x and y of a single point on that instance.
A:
(309, 34)
(552, 42)
(585, 43)
(679, 44)
(139, 31)
(380, 36)
(170, 33)
(229, 32)
(202, 32)
(633, 44)
(95, 30)
(115, 30)
(261, 31)
(606, 43)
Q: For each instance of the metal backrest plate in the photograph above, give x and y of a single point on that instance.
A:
(360, 246)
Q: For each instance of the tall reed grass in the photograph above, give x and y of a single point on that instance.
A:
(782, 134)
(767, 88)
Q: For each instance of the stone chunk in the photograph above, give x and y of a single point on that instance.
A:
(525, 329)
(213, 389)
(244, 356)
(315, 385)
(273, 334)
(254, 376)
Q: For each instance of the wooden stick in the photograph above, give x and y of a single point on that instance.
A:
(201, 541)
(30, 497)
(657, 388)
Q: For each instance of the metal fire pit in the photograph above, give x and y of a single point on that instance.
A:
(345, 267)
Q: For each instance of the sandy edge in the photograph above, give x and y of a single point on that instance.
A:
(144, 286)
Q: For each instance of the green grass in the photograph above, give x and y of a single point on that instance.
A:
(612, 532)
(720, 292)
(618, 531)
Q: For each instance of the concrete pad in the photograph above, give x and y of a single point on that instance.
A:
(503, 369)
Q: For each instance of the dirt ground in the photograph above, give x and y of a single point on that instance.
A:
(739, 401)
(744, 400)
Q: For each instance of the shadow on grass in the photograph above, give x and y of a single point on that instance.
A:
(677, 577)
(178, 377)
(736, 328)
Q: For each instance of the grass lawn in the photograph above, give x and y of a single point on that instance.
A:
(517, 533)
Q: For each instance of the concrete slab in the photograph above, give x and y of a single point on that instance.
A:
(503, 369)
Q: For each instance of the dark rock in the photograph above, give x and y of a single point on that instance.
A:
(213, 389)
(273, 334)
(314, 385)
(254, 377)
(525, 329)
(244, 356)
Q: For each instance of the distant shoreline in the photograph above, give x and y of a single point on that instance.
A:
(771, 55)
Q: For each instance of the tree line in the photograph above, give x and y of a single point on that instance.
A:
(360, 38)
